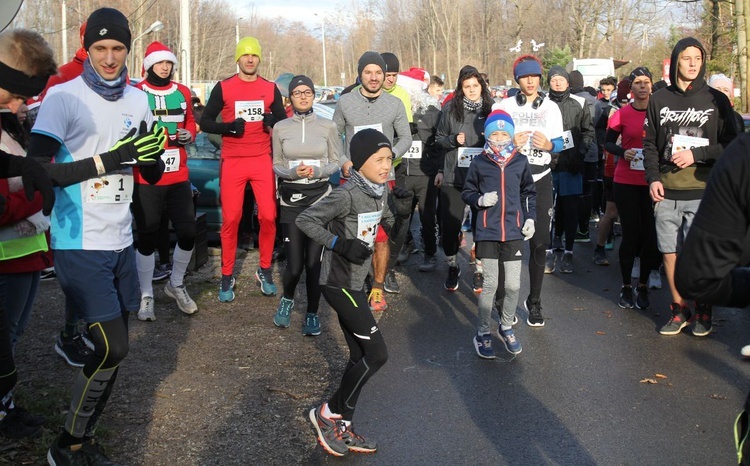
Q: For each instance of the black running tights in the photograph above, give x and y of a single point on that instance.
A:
(301, 252)
(367, 350)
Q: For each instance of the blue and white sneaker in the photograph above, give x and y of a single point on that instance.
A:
(312, 325)
(509, 340)
(265, 281)
(226, 289)
(283, 313)
(483, 346)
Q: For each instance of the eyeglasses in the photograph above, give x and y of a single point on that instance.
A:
(298, 94)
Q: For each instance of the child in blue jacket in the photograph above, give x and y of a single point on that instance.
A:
(499, 185)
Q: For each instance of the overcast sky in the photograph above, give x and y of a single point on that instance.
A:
(293, 10)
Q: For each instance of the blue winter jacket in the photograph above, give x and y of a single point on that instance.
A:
(516, 196)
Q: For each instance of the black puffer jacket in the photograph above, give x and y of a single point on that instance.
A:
(577, 128)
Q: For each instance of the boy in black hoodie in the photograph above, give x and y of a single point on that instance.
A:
(687, 127)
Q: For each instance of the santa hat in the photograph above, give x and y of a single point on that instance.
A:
(156, 52)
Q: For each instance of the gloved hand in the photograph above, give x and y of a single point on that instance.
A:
(488, 199)
(184, 136)
(528, 229)
(237, 127)
(403, 201)
(35, 178)
(40, 221)
(355, 250)
(144, 149)
(269, 120)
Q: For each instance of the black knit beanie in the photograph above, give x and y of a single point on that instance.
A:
(576, 81)
(364, 144)
(370, 58)
(106, 23)
(557, 71)
(301, 80)
(391, 62)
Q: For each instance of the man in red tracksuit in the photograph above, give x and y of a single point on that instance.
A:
(251, 105)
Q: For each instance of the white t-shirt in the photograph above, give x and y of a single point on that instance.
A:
(547, 119)
(94, 214)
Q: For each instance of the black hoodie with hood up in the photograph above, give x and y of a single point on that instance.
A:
(697, 111)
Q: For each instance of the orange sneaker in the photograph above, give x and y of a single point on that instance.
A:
(377, 300)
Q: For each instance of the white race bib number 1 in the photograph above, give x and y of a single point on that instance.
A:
(171, 158)
(110, 189)
(367, 226)
(466, 155)
(415, 151)
(249, 110)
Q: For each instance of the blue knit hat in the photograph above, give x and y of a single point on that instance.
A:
(529, 67)
(499, 120)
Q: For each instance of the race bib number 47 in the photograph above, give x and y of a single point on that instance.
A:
(249, 110)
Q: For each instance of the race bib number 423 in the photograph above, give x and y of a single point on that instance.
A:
(249, 110)
(415, 151)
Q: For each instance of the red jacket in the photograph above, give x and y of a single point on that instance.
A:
(17, 208)
(181, 175)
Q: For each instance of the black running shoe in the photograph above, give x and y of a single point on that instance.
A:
(626, 298)
(478, 282)
(641, 297)
(73, 349)
(13, 427)
(451, 283)
(534, 308)
(95, 455)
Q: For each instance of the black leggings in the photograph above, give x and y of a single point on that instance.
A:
(566, 218)
(367, 350)
(8, 375)
(94, 382)
(585, 202)
(452, 216)
(301, 252)
(538, 243)
(150, 202)
(638, 230)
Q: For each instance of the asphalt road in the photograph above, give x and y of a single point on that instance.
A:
(574, 396)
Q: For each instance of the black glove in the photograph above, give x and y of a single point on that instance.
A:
(355, 251)
(269, 120)
(413, 128)
(237, 127)
(403, 201)
(144, 149)
(35, 178)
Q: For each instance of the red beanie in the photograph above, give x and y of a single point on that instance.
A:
(156, 52)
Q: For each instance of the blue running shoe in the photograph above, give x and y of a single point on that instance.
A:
(283, 313)
(312, 325)
(483, 346)
(509, 339)
(226, 290)
(265, 281)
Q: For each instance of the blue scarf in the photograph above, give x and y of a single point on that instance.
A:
(499, 153)
(109, 90)
(373, 190)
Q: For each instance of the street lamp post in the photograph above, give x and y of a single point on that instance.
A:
(237, 37)
(155, 27)
(323, 33)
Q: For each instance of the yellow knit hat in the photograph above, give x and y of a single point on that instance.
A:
(247, 46)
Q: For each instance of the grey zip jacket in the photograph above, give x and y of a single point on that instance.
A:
(348, 212)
